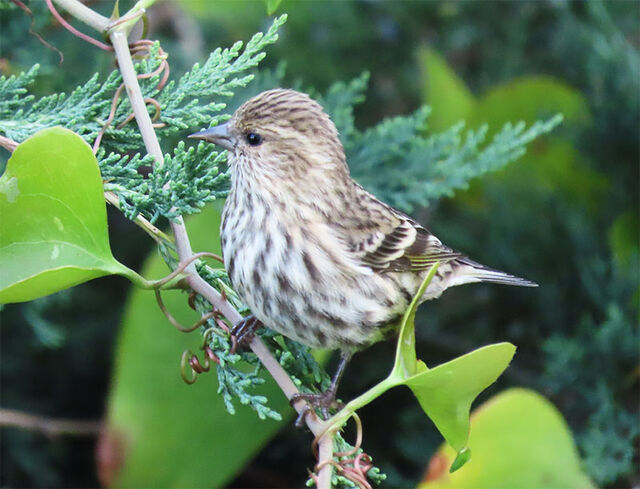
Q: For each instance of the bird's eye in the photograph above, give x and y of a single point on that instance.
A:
(254, 139)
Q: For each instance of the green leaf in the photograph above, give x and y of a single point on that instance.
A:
(272, 6)
(446, 392)
(519, 441)
(528, 99)
(168, 433)
(445, 92)
(54, 221)
(462, 458)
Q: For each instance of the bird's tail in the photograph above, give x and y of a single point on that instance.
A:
(467, 271)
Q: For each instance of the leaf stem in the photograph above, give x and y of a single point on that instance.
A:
(334, 423)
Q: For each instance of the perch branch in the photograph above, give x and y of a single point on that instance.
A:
(118, 37)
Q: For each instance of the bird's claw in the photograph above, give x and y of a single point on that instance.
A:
(324, 401)
(245, 330)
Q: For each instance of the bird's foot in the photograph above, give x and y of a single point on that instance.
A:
(323, 401)
(244, 331)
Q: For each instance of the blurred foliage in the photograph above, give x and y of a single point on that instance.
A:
(585, 293)
(521, 442)
(566, 216)
(408, 164)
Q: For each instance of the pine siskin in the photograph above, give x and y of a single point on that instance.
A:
(314, 255)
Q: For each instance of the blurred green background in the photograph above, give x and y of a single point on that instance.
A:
(565, 216)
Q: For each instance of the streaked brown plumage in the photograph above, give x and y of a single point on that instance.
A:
(314, 255)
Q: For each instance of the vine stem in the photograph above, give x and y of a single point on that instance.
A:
(118, 36)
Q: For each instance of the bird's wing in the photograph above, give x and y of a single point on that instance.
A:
(396, 243)
(407, 247)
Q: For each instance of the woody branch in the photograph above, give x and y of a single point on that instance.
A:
(117, 32)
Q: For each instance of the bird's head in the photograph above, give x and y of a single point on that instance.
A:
(281, 134)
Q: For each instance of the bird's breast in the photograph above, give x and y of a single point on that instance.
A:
(297, 278)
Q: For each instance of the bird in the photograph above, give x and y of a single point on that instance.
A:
(314, 255)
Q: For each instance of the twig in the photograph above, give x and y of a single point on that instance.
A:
(9, 144)
(325, 459)
(118, 37)
(143, 46)
(49, 426)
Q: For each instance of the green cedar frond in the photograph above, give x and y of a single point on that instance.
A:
(186, 181)
(340, 100)
(224, 71)
(81, 111)
(571, 364)
(426, 168)
(13, 90)
(404, 165)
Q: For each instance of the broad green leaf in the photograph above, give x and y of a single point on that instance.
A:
(519, 440)
(446, 392)
(54, 220)
(527, 99)
(168, 433)
(444, 91)
(557, 167)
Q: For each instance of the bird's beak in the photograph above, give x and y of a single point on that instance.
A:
(218, 135)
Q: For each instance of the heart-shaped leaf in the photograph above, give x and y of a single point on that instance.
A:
(54, 220)
(445, 392)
